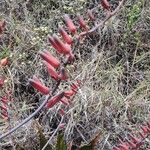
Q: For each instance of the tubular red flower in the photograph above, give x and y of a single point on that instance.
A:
(145, 129)
(4, 62)
(65, 101)
(69, 93)
(39, 86)
(90, 14)
(62, 112)
(68, 39)
(54, 45)
(142, 135)
(105, 4)
(70, 24)
(3, 108)
(82, 22)
(116, 148)
(52, 72)
(2, 81)
(65, 48)
(124, 146)
(48, 57)
(54, 100)
(2, 26)
(134, 139)
(131, 144)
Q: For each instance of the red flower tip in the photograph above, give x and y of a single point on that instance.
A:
(134, 139)
(4, 62)
(52, 72)
(131, 144)
(105, 4)
(54, 100)
(142, 135)
(64, 48)
(65, 101)
(2, 26)
(68, 39)
(82, 22)
(70, 24)
(39, 86)
(90, 14)
(69, 93)
(63, 74)
(145, 129)
(48, 57)
(116, 148)
(62, 125)
(124, 146)
(61, 112)
(2, 79)
(54, 45)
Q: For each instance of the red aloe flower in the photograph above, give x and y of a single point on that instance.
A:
(65, 101)
(65, 48)
(2, 79)
(4, 62)
(39, 86)
(131, 144)
(134, 139)
(105, 4)
(61, 112)
(70, 24)
(4, 100)
(48, 57)
(52, 42)
(69, 93)
(63, 75)
(142, 135)
(54, 100)
(3, 107)
(68, 39)
(90, 14)
(52, 72)
(116, 148)
(4, 115)
(124, 146)
(82, 22)
(145, 129)
(2, 26)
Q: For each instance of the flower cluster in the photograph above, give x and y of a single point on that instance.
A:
(4, 104)
(133, 142)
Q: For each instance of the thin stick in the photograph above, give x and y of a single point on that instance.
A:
(53, 134)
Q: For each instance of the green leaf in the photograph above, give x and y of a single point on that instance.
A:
(92, 144)
(61, 145)
(43, 141)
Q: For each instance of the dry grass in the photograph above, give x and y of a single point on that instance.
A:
(115, 98)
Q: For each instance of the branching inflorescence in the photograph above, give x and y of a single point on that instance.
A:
(133, 142)
(64, 46)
